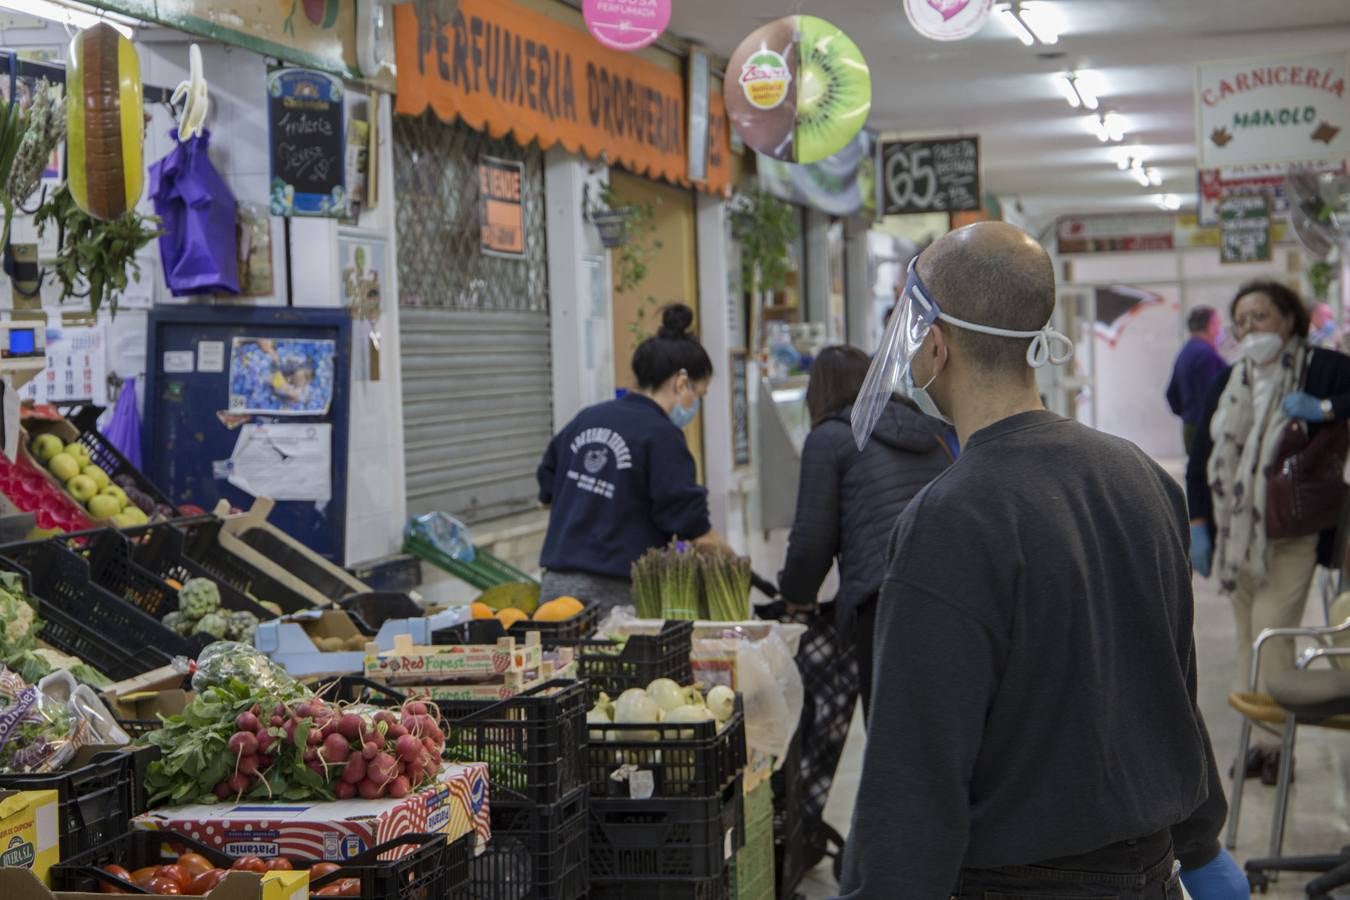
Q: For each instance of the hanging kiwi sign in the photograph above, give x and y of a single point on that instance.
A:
(931, 176)
(798, 89)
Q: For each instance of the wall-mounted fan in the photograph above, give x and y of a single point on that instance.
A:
(1319, 210)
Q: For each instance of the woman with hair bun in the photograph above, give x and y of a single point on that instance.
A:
(620, 480)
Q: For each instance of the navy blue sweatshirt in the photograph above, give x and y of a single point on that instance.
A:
(1197, 366)
(620, 480)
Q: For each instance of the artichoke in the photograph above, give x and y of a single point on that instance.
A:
(199, 598)
(214, 624)
(242, 624)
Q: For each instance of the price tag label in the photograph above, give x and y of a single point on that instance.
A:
(641, 785)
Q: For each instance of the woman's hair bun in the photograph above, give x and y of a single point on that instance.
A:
(676, 320)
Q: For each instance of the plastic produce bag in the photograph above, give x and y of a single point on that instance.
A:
(37, 733)
(444, 532)
(124, 428)
(223, 661)
(199, 245)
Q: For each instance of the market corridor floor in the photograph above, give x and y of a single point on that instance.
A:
(1318, 820)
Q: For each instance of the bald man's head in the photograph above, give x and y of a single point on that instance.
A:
(995, 274)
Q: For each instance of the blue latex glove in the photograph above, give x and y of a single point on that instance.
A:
(1202, 550)
(1303, 406)
(1220, 879)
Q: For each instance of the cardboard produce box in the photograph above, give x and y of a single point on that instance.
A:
(409, 663)
(339, 830)
(30, 834)
(295, 642)
(23, 885)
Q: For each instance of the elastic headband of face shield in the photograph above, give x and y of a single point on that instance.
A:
(913, 318)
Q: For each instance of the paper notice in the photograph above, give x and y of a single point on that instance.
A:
(283, 462)
(210, 356)
(178, 362)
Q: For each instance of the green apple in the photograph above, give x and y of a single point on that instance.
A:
(65, 467)
(122, 520)
(103, 506)
(45, 446)
(82, 488)
(99, 476)
(79, 451)
(117, 494)
(135, 516)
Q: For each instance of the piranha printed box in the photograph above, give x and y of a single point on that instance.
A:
(455, 805)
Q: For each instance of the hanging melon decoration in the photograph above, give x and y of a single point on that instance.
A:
(105, 123)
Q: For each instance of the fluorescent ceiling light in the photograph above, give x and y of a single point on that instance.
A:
(1170, 202)
(1065, 83)
(1083, 84)
(1008, 15)
(1041, 20)
(1154, 177)
(1114, 125)
(1140, 175)
(76, 15)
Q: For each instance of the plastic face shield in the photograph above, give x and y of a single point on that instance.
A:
(913, 318)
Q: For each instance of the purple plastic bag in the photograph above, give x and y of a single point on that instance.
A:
(124, 428)
(199, 247)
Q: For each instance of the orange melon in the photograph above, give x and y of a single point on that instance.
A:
(480, 610)
(511, 616)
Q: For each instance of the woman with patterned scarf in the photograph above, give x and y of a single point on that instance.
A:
(1279, 377)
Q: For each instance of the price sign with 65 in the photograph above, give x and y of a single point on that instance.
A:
(931, 176)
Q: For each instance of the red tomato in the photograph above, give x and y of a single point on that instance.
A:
(141, 876)
(165, 886)
(278, 864)
(194, 864)
(349, 887)
(249, 864)
(117, 872)
(329, 890)
(176, 873)
(205, 882)
(318, 870)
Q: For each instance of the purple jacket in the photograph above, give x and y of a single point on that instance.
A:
(199, 247)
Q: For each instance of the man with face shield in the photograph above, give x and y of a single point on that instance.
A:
(1034, 730)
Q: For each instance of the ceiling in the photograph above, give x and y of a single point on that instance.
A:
(1034, 147)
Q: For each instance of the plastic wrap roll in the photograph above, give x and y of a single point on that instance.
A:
(105, 122)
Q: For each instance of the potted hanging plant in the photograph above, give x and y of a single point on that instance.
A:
(764, 226)
(99, 255)
(1321, 274)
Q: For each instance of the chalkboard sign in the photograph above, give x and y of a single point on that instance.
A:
(931, 176)
(308, 143)
(1244, 228)
(740, 410)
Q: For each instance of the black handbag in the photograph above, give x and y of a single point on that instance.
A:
(1306, 490)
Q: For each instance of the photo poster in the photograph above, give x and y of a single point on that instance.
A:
(308, 143)
(282, 376)
(357, 161)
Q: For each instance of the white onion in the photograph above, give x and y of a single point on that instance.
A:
(687, 715)
(667, 694)
(722, 702)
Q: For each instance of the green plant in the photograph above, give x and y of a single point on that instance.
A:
(630, 260)
(764, 226)
(1320, 276)
(99, 254)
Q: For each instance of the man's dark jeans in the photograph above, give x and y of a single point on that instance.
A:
(1133, 870)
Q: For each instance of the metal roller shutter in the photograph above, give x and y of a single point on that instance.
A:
(474, 329)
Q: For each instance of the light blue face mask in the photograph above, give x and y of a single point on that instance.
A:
(924, 400)
(683, 415)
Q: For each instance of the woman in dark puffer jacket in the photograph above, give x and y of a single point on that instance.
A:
(848, 501)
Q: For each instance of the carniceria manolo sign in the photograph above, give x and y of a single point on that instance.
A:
(1276, 109)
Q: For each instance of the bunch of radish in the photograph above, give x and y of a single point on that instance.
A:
(353, 751)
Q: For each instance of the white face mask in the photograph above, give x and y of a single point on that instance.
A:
(924, 400)
(1262, 347)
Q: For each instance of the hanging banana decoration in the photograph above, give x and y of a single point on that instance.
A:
(105, 123)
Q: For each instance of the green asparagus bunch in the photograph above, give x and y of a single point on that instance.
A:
(726, 587)
(680, 596)
(648, 573)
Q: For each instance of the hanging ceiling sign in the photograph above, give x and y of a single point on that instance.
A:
(1125, 233)
(948, 20)
(940, 175)
(506, 70)
(626, 24)
(1276, 109)
(798, 89)
(840, 185)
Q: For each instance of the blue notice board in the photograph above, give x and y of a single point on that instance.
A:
(212, 371)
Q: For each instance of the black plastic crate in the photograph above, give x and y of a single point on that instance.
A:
(428, 873)
(534, 743)
(111, 567)
(202, 546)
(159, 550)
(69, 634)
(371, 609)
(612, 668)
(685, 760)
(94, 796)
(789, 827)
(634, 841)
(551, 634)
(62, 579)
(537, 852)
(119, 468)
(399, 572)
(274, 548)
(717, 887)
